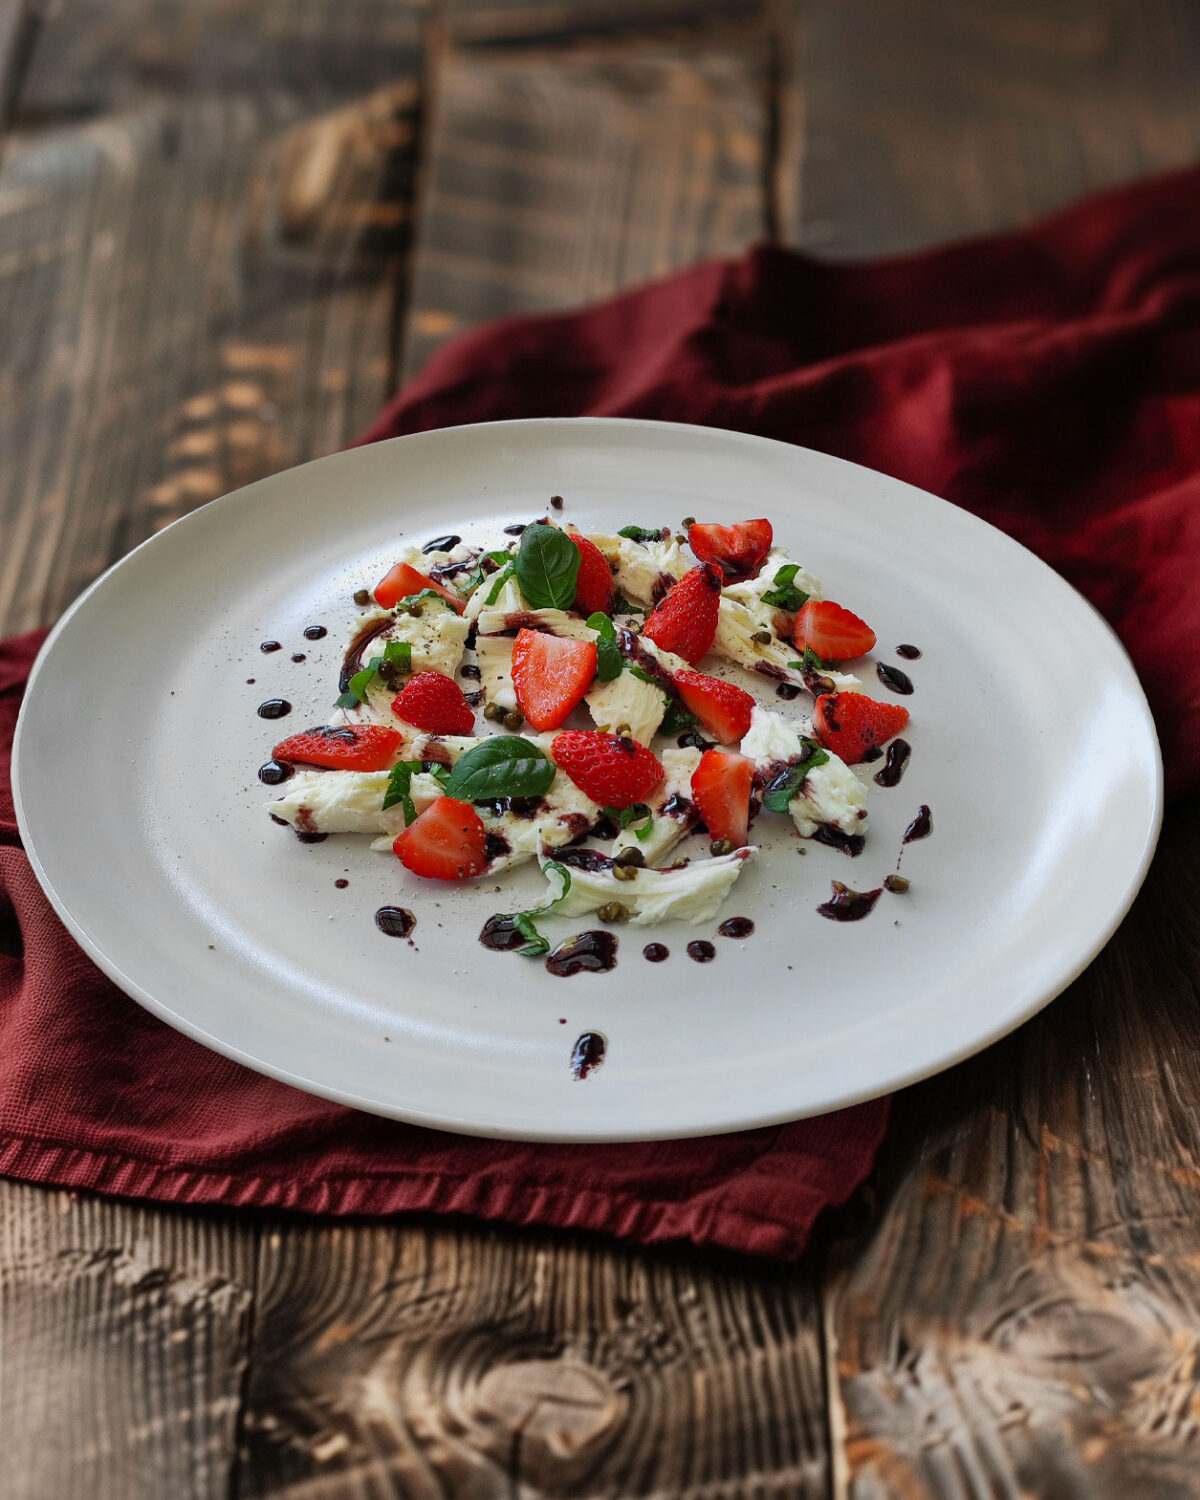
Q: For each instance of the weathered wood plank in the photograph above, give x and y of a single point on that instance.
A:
(561, 176)
(431, 1361)
(910, 121)
(1025, 1317)
(124, 1333)
(543, 20)
(198, 287)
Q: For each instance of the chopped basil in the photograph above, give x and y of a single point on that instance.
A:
(784, 788)
(399, 652)
(608, 655)
(477, 574)
(426, 596)
(505, 765)
(499, 581)
(398, 789)
(535, 944)
(637, 816)
(623, 606)
(642, 533)
(785, 594)
(677, 718)
(640, 672)
(547, 566)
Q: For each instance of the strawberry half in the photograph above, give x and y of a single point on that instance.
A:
(403, 580)
(594, 585)
(738, 550)
(435, 703)
(831, 631)
(722, 707)
(342, 747)
(613, 771)
(721, 786)
(447, 842)
(550, 675)
(686, 620)
(850, 724)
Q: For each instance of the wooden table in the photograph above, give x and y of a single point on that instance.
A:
(228, 229)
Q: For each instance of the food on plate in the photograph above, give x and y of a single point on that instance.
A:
(600, 727)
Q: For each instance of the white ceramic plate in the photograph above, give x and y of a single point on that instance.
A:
(138, 800)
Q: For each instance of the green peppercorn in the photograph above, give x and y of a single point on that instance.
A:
(494, 712)
(416, 610)
(514, 719)
(761, 637)
(633, 857)
(622, 731)
(613, 911)
(722, 846)
(681, 863)
(624, 872)
(362, 596)
(896, 883)
(688, 522)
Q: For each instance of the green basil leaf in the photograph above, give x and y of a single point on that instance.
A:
(642, 533)
(505, 765)
(547, 566)
(785, 788)
(399, 788)
(440, 773)
(642, 674)
(785, 594)
(477, 574)
(603, 626)
(677, 719)
(608, 654)
(426, 596)
(399, 652)
(638, 817)
(535, 944)
(623, 606)
(499, 581)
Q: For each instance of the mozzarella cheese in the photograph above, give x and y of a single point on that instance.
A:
(693, 894)
(552, 621)
(494, 655)
(348, 802)
(830, 793)
(751, 590)
(627, 701)
(642, 571)
(438, 638)
(667, 828)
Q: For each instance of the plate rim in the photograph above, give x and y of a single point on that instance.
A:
(432, 1119)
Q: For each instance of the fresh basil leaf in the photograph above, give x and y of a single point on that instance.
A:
(505, 765)
(399, 788)
(623, 606)
(499, 581)
(535, 944)
(785, 594)
(644, 832)
(348, 699)
(642, 674)
(603, 626)
(426, 596)
(399, 652)
(440, 773)
(608, 654)
(638, 817)
(781, 791)
(642, 533)
(677, 719)
(547, 566)
(477, 574)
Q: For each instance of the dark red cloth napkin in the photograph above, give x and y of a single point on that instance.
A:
(1048, 380)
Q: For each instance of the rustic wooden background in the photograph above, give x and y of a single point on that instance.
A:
(228, 229)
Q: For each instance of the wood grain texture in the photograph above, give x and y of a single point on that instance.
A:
(199, 283)
(1025, 1317)
(429, 1361)
(124, 1333)
(543, 20)
(910, 121)
(562, 176)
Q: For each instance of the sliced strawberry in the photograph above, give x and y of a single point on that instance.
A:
(594, 585)
(850, 724)
(404, 580)
(447, 842)
(738, 550)
(611, 770)
(342, 747)
(722, 707)
(550, 675)
(686, 620)
(435, 703)
(721, 786)
(831, 631)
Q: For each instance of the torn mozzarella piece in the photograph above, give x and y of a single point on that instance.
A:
(629, 699)
(830, 794)
(348, 802)
(562, 814)
(738, 622)
(750, 590)
(643, 571)
(693, 894)
(437, 637)
(551, 621)
(508, 600)
(494, 655)
(671, 806)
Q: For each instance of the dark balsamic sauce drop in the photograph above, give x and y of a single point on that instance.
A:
(655, 953)
(311, 838)
(849, 843)
(516, 528)
(442, 543)
(702, 951)
(909, 653)
(470, 671)
(585, 859)
(736, 927)
(787, 690)
(315, 632)
(274, 772)
(501, 935)
(395, 921)
(587, 1053)
(920, 827)
(893, 677)
(846, 905)
(268, 646)
(896, 763)
(586, 953)
(274, 708)
(299, 656)
(873, 752)
(341, 884)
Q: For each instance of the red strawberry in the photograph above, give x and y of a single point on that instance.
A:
(550, 675)
(615, 772)
(722, 707)
(403, 580)
(850, 724)
(721, 785)
(447, 842)
(594, 586)
(737, 550)
(435, 703)
(342, 747)
(686, 620)
(831, 631)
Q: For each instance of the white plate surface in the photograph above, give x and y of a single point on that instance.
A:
(1032, 742)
